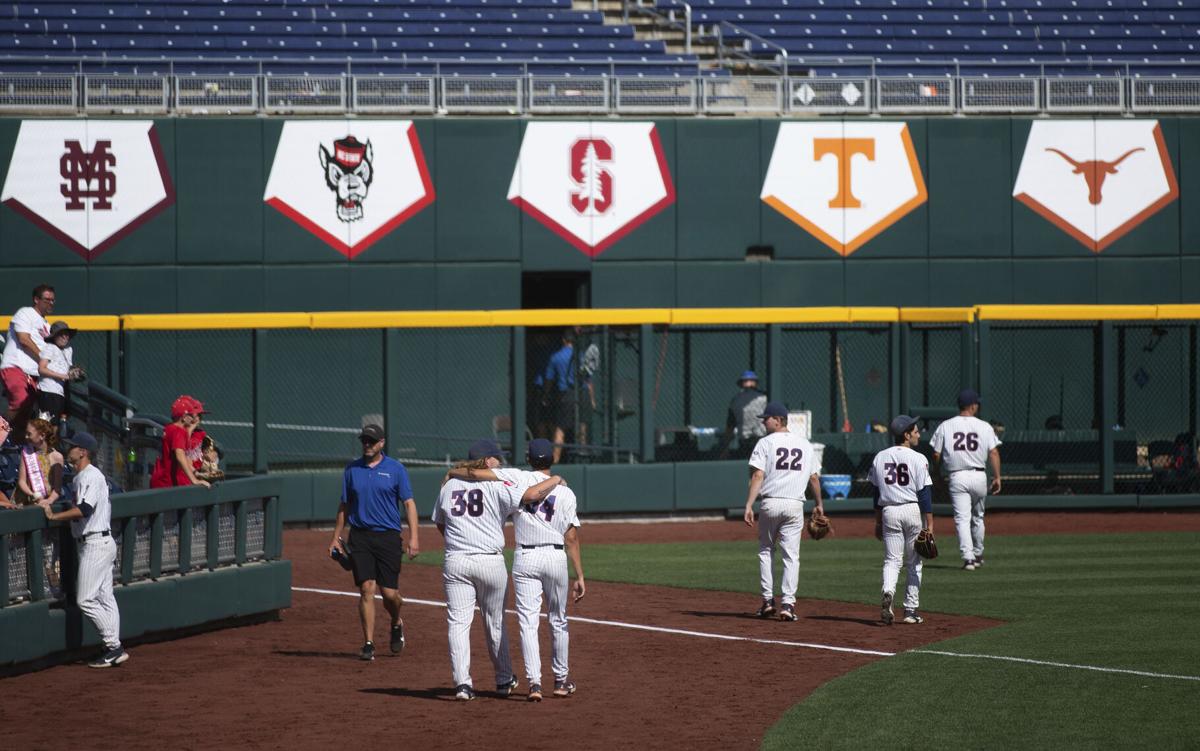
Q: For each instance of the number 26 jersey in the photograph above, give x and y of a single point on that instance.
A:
(964, 442)
(899, 472)
(787, 461)
(545, 522)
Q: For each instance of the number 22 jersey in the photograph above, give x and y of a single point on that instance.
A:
(899, 472)
(787, 461)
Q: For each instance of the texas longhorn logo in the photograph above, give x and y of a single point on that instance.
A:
(380, 157)
(591, 183)
(348, 174)
(88, 183)
(1096, 180)
(844, 183)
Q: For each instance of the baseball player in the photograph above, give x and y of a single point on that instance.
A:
(91, 521)
(782, 465)
(543, 531)
(963, 444)
(903, 495)
(470, 516)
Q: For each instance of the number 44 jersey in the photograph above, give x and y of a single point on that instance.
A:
(546, 522)
(787, 461)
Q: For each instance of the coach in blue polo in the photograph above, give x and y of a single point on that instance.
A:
(374, 488)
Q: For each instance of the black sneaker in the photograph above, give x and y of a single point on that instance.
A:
(397, 638)
(787, 612)
(110, 659)
(885, 609)
(564, 687)
(464, 693)
(979, 562)
(535, 692)
(767, 609)
(504, 689)
(368, 652)
(912, 616)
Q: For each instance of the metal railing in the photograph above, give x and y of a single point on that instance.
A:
(619, 95)
(665, 19)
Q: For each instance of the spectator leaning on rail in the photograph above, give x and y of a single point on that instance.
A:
(40, 474)
(374, 487)
(55, 368)
(27, 332)
(743, 418)
(91, 519)
(180, 456)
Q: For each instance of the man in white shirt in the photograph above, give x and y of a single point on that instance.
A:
(963, 444)
(903, 498)
(782, 466)
(27, 332)
(91, 522)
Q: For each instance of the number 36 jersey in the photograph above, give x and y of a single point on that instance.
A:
(787, 461)
(964, 442)
(899, 472)
(473, 514)
(542, 523)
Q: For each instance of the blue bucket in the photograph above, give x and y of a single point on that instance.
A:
(835, 486)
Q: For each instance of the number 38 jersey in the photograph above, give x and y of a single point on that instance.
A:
(964, 442)
(473, 514)
(543, 523)
(899, 472)
(787, 461)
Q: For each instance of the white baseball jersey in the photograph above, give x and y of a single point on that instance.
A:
(473, 514)
(543, 523)
(964, 442)
(787, 460)
(899, 472)
(91, 489)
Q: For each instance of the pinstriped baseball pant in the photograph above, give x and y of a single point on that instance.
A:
(94, 587)
(537, 572)
(469, 579)
(779, 523)
(968, 491)
(901, 525)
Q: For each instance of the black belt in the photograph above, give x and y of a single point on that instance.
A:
(543, 545)
(83, 537)
(968, 469)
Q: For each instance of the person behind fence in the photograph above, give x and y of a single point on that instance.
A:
(374, 488)
(181, 447)
(556, 382)
(55, 369)
(742, 420)
(27, 332)
(40, 473)
(90, 515)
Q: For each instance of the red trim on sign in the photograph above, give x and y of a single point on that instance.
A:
(82, 250)
(594, 250)
(351, 251)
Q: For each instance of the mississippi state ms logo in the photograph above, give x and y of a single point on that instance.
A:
(349, 182)
(87, 183)
(844, 183)
(591, 183)
(1096, 179)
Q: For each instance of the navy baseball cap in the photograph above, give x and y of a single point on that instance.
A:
(748, 375)
(484, 447)
(967, 397)
(774, 409)
(372, 432)
(901, 424)
(83, 440)
(540, 451)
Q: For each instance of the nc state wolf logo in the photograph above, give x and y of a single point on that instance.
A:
(1094, 171)
(348, 173)
(1096, 180)
(81, 169)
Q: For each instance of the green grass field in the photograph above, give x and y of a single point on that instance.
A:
(1112, 601)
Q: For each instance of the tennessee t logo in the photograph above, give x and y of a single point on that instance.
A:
(843, 151)
(1094, 171)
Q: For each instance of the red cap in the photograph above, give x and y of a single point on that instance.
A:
(186, 405)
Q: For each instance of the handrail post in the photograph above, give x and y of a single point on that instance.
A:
(775, 361)
(239, 533)
(128, 547)
(212, 546)
(897, 367)
(516, 411)
(36, 566)
(687, 28)
(645, 391)
(1108, 398)
(258, 399)
(185, 540)
(156, 545)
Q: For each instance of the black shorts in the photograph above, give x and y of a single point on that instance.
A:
(376, 556)
(562, 409)
(55, 404)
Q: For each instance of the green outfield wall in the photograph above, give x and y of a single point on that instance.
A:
(215, 244)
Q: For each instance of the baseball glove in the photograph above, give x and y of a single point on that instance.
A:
(926, 546)
(818, 526)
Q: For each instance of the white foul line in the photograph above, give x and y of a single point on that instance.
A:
(804, 645)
